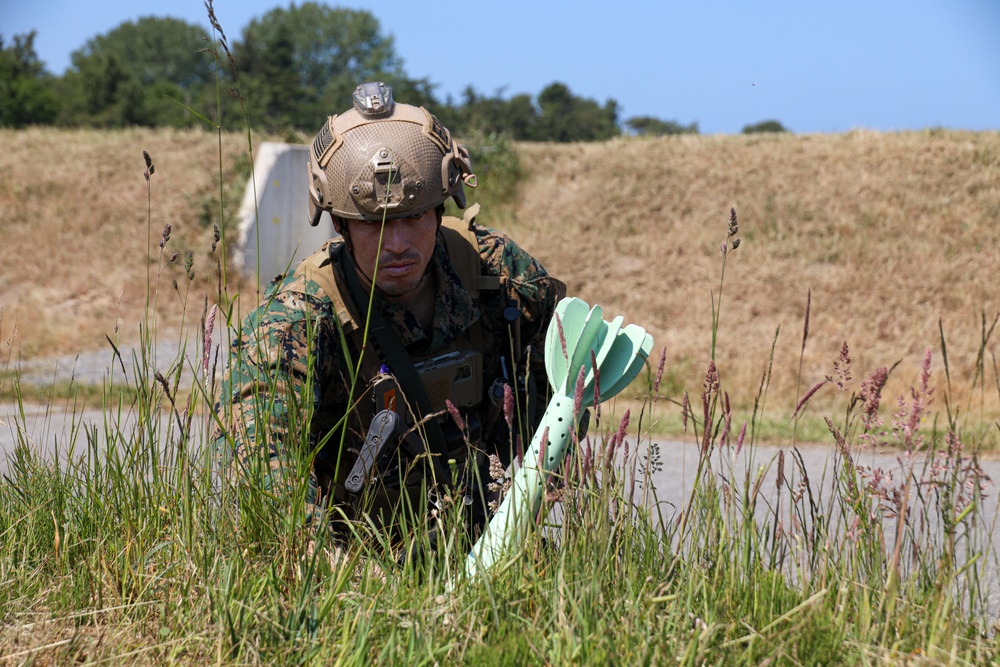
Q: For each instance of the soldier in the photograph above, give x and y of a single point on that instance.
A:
(381, 367)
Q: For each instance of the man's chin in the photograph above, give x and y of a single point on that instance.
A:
(397, 287)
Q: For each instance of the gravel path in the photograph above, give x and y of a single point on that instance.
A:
(53, 428)
(93, 367)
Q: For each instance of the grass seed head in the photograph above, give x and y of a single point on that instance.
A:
(685, 409)
(209, 328)
(871, 394)
(578, 392)
(149, 166)
(456, 416)
(842, 365)
(740, 437)
(711, 379)
(508, 405)
(659, 370)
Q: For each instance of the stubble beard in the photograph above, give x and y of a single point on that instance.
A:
(400, 286)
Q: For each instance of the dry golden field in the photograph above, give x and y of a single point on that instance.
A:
(890, 232)
(75, 239)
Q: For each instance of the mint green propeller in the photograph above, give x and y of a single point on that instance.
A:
(585, 338)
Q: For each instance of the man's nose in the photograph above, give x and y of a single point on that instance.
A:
(394, 237)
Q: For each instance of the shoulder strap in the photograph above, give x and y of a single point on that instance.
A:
(462, 245)
(402, 368)
(318, 268)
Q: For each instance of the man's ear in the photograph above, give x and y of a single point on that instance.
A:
(340, 226)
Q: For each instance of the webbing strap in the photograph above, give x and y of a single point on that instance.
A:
(402, 366)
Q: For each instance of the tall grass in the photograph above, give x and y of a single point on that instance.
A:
(133, 544)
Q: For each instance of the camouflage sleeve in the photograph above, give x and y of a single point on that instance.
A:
(536, 291)
(270, 390)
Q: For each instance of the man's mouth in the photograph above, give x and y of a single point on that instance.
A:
(396, 268)
(397, 265)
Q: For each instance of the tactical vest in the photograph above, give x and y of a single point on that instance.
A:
(462, 247)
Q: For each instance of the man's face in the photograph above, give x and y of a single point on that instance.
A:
(407, 247)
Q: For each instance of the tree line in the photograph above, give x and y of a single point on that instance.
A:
(286, 72)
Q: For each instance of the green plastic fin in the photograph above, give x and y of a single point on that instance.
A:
(641, 343)
(589, 339)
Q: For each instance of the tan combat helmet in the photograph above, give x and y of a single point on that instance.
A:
(382, 160)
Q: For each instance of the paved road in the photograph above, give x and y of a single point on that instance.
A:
(62, 426)
(56, 429)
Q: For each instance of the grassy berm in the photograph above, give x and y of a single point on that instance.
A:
(133, 547)
(893, 235)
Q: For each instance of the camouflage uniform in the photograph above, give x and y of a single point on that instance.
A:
(293, 362)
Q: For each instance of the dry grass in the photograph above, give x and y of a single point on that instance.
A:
(73, 224)
(890, 232)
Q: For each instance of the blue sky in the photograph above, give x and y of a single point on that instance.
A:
(815, 66)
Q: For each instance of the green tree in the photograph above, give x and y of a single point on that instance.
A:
(515, 118)
(519, 116)
(764, 126)
(419, 92)
(565, 117)
(299, 64)
(269, 81)
(140, 73)
(557, 115)
(26, 89)
(650, 126)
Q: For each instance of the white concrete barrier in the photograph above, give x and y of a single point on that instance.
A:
(274, 231)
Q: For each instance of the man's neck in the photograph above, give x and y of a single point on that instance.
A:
(420, 301)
